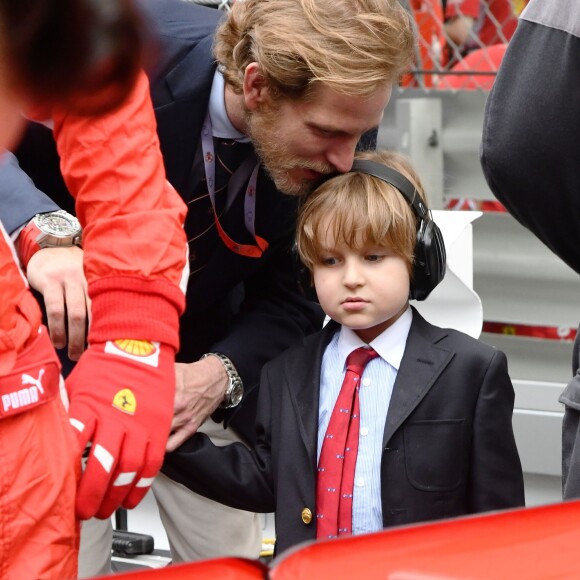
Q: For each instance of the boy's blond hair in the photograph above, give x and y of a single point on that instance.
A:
(352, 46)
(360, 210)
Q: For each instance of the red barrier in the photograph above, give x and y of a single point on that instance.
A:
(533, 543)
(560, 333)
(478, 69)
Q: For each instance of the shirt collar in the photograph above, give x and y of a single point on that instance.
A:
(221, 125)
(390, 344)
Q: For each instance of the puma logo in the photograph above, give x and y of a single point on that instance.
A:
(24, 397)
(28, 380)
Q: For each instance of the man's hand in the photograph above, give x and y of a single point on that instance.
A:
(57, 273)
(200, 388)
(121, 401)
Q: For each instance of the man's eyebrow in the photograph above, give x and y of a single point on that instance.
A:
(327, 128)
(338, 130)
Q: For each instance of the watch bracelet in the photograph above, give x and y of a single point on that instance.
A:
(233, 377)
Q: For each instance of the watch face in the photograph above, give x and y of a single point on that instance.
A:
(58, 223)
(237, 395)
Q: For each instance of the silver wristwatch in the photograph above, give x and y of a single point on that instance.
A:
(57, 229)
(235, 388)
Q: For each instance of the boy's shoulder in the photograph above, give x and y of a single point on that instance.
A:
(451, 338)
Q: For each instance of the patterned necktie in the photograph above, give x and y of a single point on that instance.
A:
(336, 466)
(230, 154)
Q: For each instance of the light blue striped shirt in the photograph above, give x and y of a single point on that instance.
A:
(375, 395)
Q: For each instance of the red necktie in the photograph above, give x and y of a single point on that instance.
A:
(337, 461)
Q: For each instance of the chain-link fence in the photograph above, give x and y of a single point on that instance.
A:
(461, 42)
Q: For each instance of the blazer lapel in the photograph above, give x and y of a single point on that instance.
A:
(421, 365)
(305, 386)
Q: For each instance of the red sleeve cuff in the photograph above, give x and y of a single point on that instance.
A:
(127, 307)
(26, 244)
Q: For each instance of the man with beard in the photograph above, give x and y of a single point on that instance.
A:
(252, 113)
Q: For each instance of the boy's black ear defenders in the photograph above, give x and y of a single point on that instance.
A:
(430, 257)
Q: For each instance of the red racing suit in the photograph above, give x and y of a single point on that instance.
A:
(135, 263)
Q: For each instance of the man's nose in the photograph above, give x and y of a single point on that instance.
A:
(341, 154)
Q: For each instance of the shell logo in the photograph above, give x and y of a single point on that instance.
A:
(125, 401)
(135, 347)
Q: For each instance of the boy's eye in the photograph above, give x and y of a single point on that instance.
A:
(374, 258)
(329, 261)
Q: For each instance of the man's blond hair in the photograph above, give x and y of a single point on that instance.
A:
(360, 210)
(352, 46)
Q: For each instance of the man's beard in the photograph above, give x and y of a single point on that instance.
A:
(278, 162)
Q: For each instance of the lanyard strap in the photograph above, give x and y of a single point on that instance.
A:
(249, 168)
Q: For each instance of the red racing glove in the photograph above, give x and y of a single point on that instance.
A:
(121, 403)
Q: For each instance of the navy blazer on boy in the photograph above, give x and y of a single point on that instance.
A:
(246, 308)
(448, 446)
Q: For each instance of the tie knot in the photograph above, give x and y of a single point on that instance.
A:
(231, 149)
(357, 359)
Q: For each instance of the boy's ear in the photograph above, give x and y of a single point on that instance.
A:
(256, 91)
